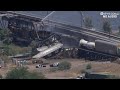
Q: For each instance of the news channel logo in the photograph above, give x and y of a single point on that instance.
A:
(109, 14)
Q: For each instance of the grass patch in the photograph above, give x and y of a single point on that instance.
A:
(13, 49)
(23, 73)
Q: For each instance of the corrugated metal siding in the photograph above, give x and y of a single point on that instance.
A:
(106, 47)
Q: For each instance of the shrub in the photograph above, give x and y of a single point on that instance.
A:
(23, 73)
(107, 27)
(64, 65)
(33, 46)
(88, 66)
(88, 22)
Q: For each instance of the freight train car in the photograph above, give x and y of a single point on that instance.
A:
(85, 44)
(107, 47)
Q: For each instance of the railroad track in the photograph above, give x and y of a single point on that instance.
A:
(63, 25)
(98, 55)
(78, 29)
(87, 33)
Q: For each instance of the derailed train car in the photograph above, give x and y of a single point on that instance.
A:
(107, 47)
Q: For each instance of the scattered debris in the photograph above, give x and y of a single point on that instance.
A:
(55, 64)
(40, 65)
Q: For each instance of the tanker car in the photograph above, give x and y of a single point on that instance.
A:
(107, 47)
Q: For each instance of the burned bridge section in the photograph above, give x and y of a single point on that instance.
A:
(21, 28)
(24, 29)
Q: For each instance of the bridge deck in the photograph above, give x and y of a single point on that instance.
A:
(76, 29)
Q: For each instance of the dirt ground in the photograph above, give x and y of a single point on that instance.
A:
(77, 65)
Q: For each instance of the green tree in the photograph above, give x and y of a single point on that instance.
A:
(64, 65)
(4, 33)
(5, 36)
(107, 27)
(23, 73)
(7, 50)
(7, 41)
(88, 22)
(33, 45)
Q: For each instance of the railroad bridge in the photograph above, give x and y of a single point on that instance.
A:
(27, 27)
